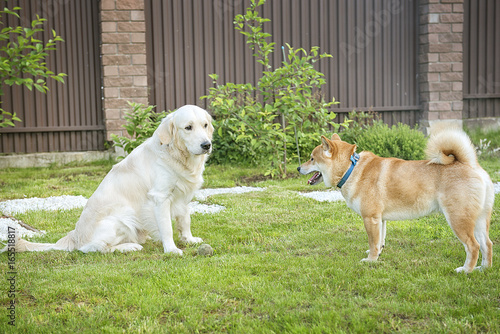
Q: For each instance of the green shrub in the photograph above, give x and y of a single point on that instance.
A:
(358, 122)
(141, 124)
(369, 133)
(230, 150)
(398, 141)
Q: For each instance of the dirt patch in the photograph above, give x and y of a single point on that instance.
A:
(249, 180)
(79, 176)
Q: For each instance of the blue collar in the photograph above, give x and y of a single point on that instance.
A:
(354, 161)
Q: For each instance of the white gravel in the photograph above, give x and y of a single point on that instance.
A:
(5, 223)
(202, 194)
(324, 196)
(197, 207)
(65, 202)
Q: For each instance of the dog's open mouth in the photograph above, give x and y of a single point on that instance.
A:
(315, 179)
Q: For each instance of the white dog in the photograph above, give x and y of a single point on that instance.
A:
(143, 193)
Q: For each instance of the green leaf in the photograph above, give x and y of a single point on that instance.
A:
(41, 88)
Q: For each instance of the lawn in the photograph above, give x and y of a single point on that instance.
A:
(283, 263)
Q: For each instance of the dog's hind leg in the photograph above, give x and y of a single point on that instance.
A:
(105, 237)
(481, 232)
(463, 227)
(375, 228)
(482, 227)
(472, 250)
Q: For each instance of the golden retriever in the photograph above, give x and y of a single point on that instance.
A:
(143, 193)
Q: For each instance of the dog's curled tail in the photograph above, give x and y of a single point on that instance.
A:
(20, 245)
(449, 145)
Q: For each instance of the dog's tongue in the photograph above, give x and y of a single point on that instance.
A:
(313, 179)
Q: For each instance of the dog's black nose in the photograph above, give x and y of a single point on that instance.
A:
(206, 145)
(298, 169)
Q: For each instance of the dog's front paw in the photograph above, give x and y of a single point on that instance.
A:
(368, 260)
(481, 268)
(174, 251)
(462, 270)
(192, 240)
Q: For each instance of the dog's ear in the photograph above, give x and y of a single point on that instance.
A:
(354, 147)
(166, 129)
(210, 126)
(327, 144)
(335, 137)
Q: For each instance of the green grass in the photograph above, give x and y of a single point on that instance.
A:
(478, 134)
(282, 263)
(487, 141)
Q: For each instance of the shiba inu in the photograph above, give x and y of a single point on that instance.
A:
(380, 189)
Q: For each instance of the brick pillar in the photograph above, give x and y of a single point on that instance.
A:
(123, 51)
(441, 61)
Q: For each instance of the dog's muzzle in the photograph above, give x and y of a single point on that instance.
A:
(206, 146)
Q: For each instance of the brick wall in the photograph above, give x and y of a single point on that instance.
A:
(441, 60)
(123, 58)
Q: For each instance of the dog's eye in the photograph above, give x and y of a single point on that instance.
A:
(189, 128)
(312, 159)
(206, 125)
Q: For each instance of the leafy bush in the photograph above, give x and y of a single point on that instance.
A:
(22, 59)
(398, 141)
(141, 124)
(369, 133)
(359, 121)
(279, 119)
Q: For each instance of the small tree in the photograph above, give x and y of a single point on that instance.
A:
(280, 118)
(22, 58)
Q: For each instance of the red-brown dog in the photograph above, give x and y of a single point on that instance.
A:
(381, 189)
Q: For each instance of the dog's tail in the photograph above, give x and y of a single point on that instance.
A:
(447, 145)
(18, 245)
